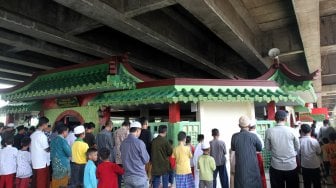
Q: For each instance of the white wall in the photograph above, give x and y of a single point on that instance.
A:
(224, 116)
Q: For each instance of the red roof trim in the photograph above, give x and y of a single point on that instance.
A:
(289, 73)
(208, 82)
(137, 74)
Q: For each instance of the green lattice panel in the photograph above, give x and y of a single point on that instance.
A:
(262, 126)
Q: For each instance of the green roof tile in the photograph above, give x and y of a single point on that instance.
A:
(21, 107)
(81, 80)
(175, 94)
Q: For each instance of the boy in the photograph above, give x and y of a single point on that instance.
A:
(90, 180)
(24, 170)
(206, 165)
(8, 157)
(182, 154)
(79, 149)
(107, 171)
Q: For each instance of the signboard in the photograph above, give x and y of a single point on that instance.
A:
(67, 102)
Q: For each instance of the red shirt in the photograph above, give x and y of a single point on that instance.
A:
(107, 174)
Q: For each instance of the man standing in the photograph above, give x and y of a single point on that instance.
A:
(134, 157)
(245, 145)
(310, 160)
(284, 145)
(119, 136)
(161, 150)
(325, 131)
(146, 137)
(19, 136)
(197, 154)
(218, 152)
(104, 139)
(40, 155)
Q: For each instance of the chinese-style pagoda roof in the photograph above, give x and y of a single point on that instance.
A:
(197, 90)
(21, 107)
(106, 75)
(291, 82)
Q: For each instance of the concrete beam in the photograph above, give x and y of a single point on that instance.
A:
(13, 76)
(84, 28)
(34, 29)
(109, 16)
(3, 57)
(328, 90)
(330, 49)
(222, 18)
(327, 7)
(31, 44)
(17, 69)
(9, 82)
(153, 5)
(308, 19)
(21, 24)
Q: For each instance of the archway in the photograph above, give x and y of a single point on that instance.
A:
(69, 117)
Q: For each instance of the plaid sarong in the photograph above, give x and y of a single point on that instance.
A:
(184, 181)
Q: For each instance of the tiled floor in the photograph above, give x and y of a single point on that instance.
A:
(329, 183)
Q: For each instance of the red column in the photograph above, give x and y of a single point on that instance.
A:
(174, 113)
(271, 110)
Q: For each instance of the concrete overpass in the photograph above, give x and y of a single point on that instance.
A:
(171, 38)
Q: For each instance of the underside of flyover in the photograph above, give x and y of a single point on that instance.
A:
(172, 38)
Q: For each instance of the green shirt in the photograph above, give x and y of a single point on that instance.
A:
(161, 150)
(206, 166)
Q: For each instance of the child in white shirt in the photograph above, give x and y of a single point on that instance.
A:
(8, 157)
(24, 169)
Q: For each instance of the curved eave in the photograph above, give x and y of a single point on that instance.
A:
(22, 107)
(98, 76)
(289, 73)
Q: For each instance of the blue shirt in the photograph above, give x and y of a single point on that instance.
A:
(60, 152)
(90, 179)
(134, 156)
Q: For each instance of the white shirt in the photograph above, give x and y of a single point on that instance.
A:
(24, 169)
(309, 151)
(8, 160)
(70, 138)
(39, 142)
(198, 152)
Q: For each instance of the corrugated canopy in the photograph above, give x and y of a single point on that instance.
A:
(185, 94)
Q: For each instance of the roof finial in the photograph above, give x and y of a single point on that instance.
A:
(274, 54)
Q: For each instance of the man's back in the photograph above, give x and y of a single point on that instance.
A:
(218, 151)
(134, 156)
(283, 144)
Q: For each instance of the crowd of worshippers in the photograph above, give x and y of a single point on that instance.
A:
(57, 158)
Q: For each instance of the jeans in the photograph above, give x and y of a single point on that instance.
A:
(222, 176)
(284, 178)
(311, 176)
(135, 182)
(171, 175)
(157, 180)
(77, 174)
